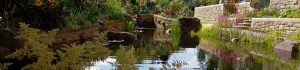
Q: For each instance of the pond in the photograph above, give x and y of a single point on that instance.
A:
(155, 50)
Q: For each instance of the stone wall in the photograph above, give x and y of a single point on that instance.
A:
(162, 22)
(283, 4)
(212, 12)
(209, 13)
(285, 25)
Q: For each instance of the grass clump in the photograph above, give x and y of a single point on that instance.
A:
(129, 26)
(175, 32)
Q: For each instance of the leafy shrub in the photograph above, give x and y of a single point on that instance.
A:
(126, 58)
(247, 14)
(176, 9)
(230, 8)
(114, 8)
(290, 13)
(175, 31)
(36, 46)
(129, 26)
(268, 13)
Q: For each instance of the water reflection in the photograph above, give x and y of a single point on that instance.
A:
(155, 51)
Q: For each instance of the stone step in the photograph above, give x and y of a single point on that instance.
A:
(241, 27)
(245, 24)
(245, 18)
(249, 21)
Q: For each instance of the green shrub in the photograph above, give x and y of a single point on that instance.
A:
(129, 26)
(268, 13)
(177, 9)
(37, 46)
(290, 13)
(175, 32)
(126, 58)
(114, 8)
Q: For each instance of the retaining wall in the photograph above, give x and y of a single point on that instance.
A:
(212, 12)
(284, 25)
(283, 4)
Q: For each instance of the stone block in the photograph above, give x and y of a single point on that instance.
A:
(293, 28)
(286, 28)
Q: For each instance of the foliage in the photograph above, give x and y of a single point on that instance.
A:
(230, 8)
(268, 13)
(129, 26)
(290, 13)
(36, 46)
(176, 9)
(208, 2)
(259, 4)
(85, 17)
(224, 21)
(286, 13)
(175, 32)
(176, 65)
(4, 66)
(114, 8)
(126, 59)
(295, 36)
(247, 14)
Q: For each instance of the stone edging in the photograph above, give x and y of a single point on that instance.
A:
(276, 19)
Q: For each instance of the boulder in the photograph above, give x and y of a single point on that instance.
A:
(124, 38)
(189, 24)
(145, 21)
(8, 42)
(286, 50)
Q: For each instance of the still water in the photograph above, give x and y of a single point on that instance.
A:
(156, 50)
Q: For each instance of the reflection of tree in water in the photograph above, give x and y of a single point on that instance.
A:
(187, 41)
(202, 55)
(213, 63)
(126, 59)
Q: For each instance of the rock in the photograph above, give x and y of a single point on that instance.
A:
(286, 49)
(189, 24)
(124, 38)
(8, 40)
(145, 21)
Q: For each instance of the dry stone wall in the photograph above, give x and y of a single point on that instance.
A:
(209, 13)
(284, 25)
(283, 4)
(212, 12)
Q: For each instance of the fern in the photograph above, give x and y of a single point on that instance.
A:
(76, 56)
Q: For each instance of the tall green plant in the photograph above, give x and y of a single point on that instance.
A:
(129, 26)
(175, 32)
(114, 8)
